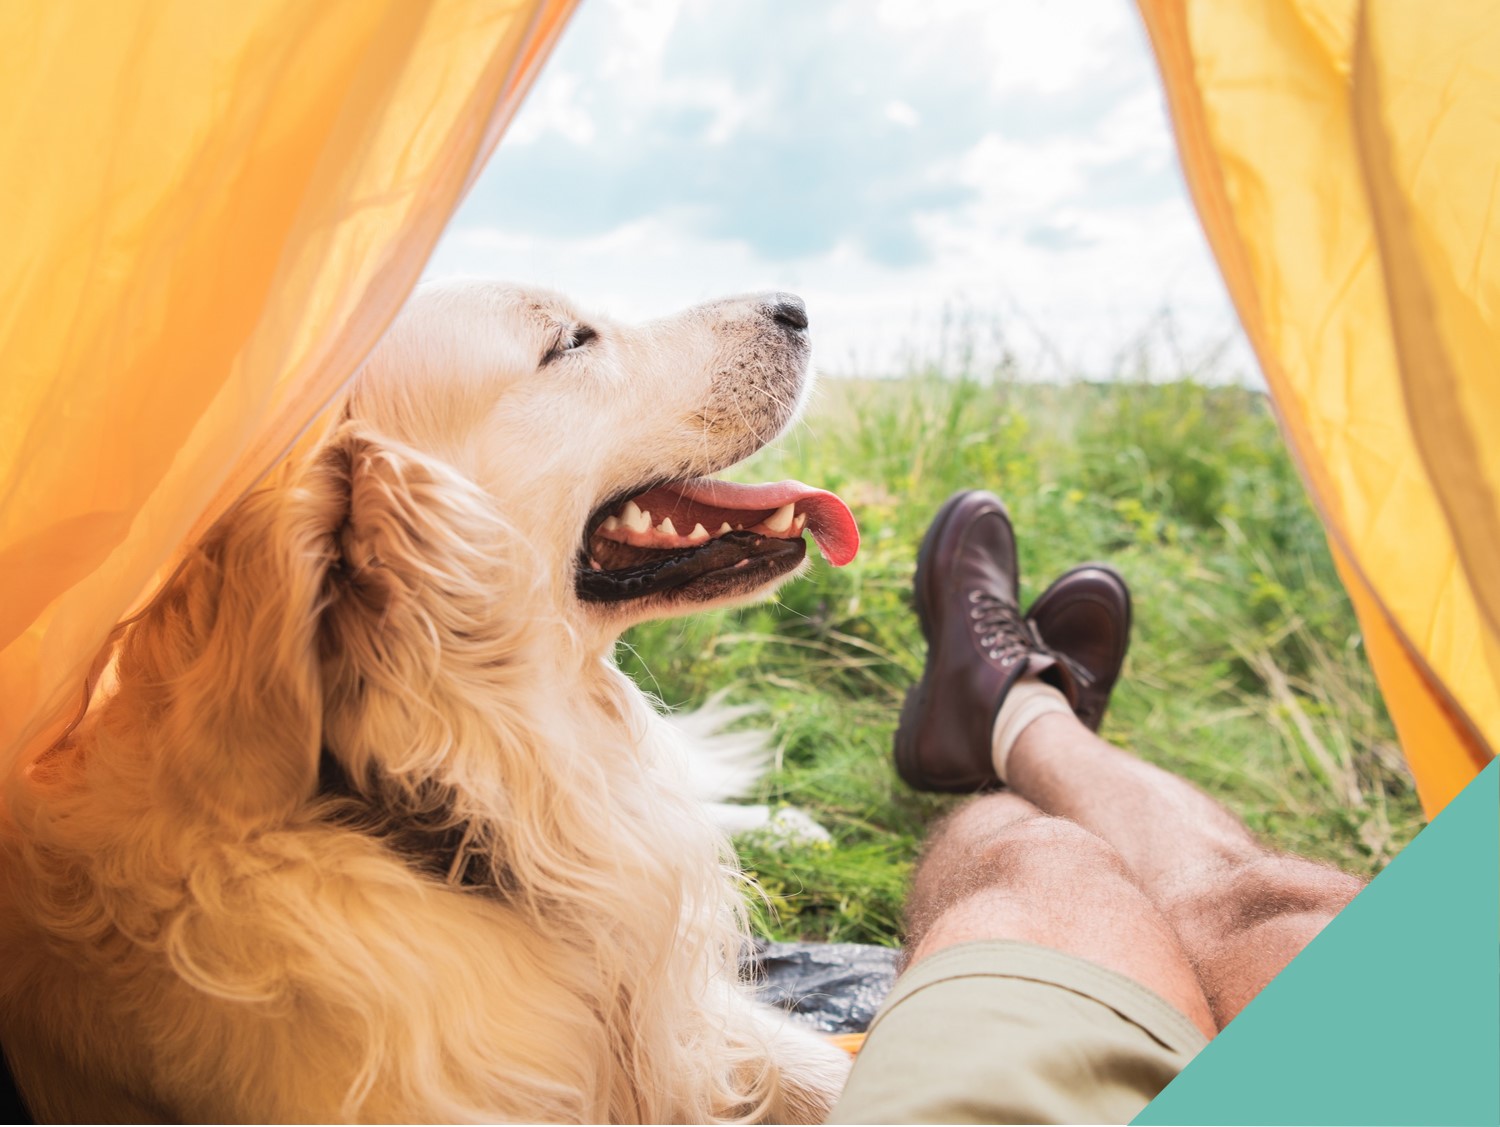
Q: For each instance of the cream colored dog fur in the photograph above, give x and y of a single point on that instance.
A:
(194, 928)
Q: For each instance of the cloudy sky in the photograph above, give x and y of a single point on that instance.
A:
(938, 179)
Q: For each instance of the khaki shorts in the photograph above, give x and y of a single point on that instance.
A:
(1005, 1032)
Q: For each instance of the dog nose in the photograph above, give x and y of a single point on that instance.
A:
(787, 310)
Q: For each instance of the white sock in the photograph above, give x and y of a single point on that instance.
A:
(1028, 699)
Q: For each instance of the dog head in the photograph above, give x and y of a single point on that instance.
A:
(596, 439)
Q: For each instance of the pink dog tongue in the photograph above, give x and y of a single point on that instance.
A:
(828, 518)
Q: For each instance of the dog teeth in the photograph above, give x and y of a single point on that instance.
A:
(781, 520)
(634, 519)
(631, 518)
(594, 565)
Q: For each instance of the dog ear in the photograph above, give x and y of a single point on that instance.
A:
(225, 663)
(411, 642)
(348, 604)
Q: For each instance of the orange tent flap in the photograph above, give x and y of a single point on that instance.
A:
(222, 209)
(1321, 177)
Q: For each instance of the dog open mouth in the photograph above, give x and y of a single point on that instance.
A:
(704, 538)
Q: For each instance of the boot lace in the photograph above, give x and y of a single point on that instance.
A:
(1008, 637)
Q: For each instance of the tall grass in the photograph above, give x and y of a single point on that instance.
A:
(1246, 674)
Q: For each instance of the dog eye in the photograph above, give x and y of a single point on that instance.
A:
(569, 341)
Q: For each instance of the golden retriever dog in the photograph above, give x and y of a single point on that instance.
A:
(364, 822)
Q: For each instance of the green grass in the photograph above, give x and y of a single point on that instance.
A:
(1247, 673)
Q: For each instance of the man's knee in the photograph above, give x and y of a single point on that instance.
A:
(1246, 923)
(973, 823)
(1050, 851)
(1039, 866)
(1269, 887)
(1001, 835)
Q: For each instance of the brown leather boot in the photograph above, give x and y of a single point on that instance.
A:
(978, 646)
(1084, 617)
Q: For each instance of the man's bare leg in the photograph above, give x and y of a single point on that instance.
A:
(1242, 912)
(1000, 869)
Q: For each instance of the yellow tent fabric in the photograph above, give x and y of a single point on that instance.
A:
(1345, 161)
(212, 211)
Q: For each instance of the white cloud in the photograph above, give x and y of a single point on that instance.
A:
(553, 108)
(637, 35)
(900, 113)
(918, 172)
(1033, 46)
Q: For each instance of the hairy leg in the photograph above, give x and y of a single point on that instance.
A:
(999, 869)
(1242, 912)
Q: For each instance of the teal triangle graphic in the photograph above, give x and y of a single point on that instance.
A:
(1391, 1015)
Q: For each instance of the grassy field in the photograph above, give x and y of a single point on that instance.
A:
(1247, 673)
